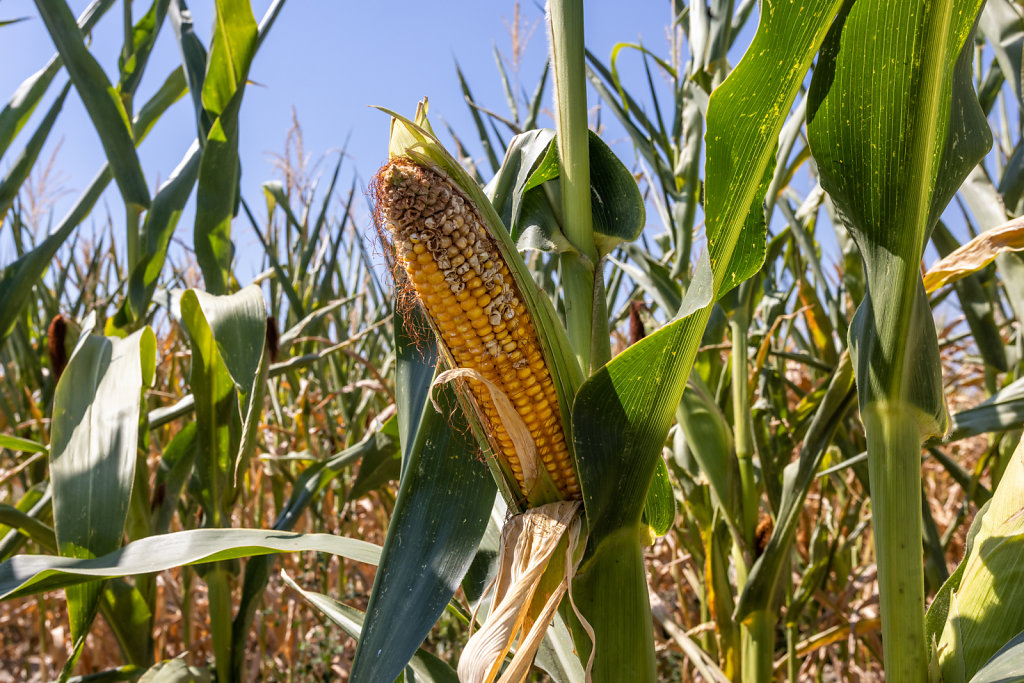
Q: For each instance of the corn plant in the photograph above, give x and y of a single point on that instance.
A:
(762, 419)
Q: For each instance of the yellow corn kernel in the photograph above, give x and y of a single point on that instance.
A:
(466, 289)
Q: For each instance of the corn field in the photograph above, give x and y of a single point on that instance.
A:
(696, 361)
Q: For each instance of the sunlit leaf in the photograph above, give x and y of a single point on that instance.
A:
(31, 574)
(100, 99)
(982, 596)
(227, 70)
(622, 413)
(93, 447)
(227, 335)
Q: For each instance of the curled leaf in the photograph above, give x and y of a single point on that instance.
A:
(976, 254)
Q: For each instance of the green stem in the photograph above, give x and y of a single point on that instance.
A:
(757, 643)
(757, 633)
(742, 428)
(610, 590)
(577, 278)
(187, 574)
(578, 269)
(219, 586)
(894, 466)
(792, 634)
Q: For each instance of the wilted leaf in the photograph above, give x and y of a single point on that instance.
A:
(976, 254)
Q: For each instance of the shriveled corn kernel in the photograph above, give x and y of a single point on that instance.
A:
(466, 288)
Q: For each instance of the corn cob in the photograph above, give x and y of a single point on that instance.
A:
(465, 287)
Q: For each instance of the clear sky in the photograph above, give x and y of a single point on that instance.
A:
(327, 59)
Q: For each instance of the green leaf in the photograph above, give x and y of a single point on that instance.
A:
(710, 441)
(18, 278)
(924, 118)
(485, 137)
(653, 277)
(1006, 666)
(762, 582)
(377, 468)
(25, 518)
(12, 517)
(622, 413)
(128, 672)
(525, 166)
(227, 69)
(175, 470)
(531, 208)
(32, 574)
(24, 100)
(144, 35)
(660, 506)
(895, 126)
(227, 335)
(101, 101)
(618, 208)
(94, 440)
(130, 618)
(170, 91)
(16, 443)
(423, 665)
(313, 480)
(234, 44)
(444, 500)
(987, 589)
(161, 219)
(1003, 28)
(1002, 411)
(193, 58)
(22, 166)
(176, 671)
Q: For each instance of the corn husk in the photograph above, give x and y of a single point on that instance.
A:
(526, 449)
(414, 140)
(538, 559)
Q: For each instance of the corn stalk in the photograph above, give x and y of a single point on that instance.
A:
(915, 132)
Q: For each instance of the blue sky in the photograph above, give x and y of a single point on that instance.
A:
(329, 60)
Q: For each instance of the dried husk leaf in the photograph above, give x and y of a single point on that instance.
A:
(521, 609)
(526, 449)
